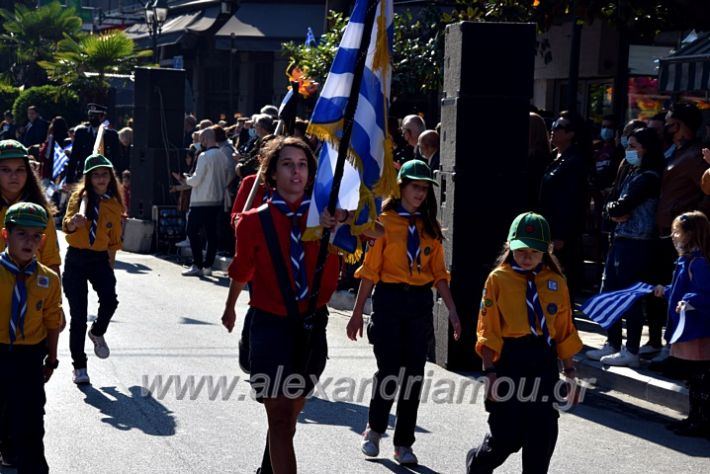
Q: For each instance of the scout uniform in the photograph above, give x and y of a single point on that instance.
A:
(404, 264)
(23, 341)
(87, 261)
(49, 250)
(525, 319)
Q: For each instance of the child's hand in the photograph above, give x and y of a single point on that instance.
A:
(355, 325)
(659, 291)
(456, 323)
(78, 220)
(47, 373)
(706, 154)
(229, 318)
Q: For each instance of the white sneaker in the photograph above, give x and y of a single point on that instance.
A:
(663, 354)
(623, 358)
(371, 443)
(207, 272)
(648, 349)
(100, 347)
(183, 243)
(80, 376)
(597, 354)
(405, 456)
(192, 271)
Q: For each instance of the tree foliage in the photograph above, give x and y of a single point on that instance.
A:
(51, 101)
(83, 65)
(33, 34)
(8, 94)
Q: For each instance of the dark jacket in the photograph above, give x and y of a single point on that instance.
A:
(84, 139)
(35, 132)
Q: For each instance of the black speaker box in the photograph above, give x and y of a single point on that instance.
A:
(151, 179)
(489, 59)
(484, 150)
(159, 108)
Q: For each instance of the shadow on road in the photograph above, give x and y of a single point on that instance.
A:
(353, 416)
(634, 420)
(126, 412)
(394, 467)
(136, 268)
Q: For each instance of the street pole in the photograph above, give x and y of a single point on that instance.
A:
(231, 76)
(154, 35)
(574, 62)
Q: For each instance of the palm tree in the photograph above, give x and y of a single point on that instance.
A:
(32, 34)
(83, 65)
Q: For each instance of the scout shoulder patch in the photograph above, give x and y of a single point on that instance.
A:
(43, 281)
(552, 285)
(552, 308)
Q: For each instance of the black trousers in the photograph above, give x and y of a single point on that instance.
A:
(197, 218)
(399, 329)
(82, 267)
(528, 421)
(22, 400)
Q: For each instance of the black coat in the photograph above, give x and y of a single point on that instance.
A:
(84, 139)
(35, 132)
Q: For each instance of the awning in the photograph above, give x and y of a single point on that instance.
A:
(264, 26)
(688, 69)
(174, 28)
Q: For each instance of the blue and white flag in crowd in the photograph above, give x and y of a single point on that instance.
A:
(369, 173)
(607, 308)
(311, 38)
(60, 159)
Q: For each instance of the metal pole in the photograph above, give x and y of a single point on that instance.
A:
(154, 34)
(231, 75)
(574, 62)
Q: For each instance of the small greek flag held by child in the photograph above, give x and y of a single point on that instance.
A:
(607, 308)
(60, 160)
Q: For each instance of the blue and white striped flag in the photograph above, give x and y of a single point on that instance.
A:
(606, 308)
(60, 159)
(369, 173)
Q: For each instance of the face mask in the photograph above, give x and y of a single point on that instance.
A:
(252, 132)
(607, 134)
(625, 142)
(632, 157)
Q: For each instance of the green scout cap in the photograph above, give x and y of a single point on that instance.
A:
(26, 214)
(96, 161)
(529, 230)
(10, 149)
(416, 170)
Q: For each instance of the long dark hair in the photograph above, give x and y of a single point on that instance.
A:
(428, 210)
(653, 159)
(59, 130)
(114, 189)
(548, 259)
(33, 191)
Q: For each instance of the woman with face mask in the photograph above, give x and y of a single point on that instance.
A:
(633, 239)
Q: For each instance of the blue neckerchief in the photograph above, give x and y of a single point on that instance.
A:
(95, 218)
(532, 301)
(413, 249)
(297, 257)
(19, 294)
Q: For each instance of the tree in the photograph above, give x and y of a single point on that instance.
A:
(32, 34)
(83, 65)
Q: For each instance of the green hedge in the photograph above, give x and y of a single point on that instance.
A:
(51, 101)
(8, 94)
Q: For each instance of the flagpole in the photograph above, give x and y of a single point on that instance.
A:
(344, 145)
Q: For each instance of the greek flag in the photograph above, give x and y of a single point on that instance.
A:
(607, 308)
(60, 159)
(311, 38)
(369, 173)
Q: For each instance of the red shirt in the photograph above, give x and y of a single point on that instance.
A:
(243, 193)
(252, 262)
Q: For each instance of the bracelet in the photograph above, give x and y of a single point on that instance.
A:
(489, 370)
(569, 370)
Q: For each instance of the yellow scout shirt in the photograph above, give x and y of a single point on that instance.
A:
(44, 305)
(48, 253)
(386, 261)
(108, 229)
(504, 312)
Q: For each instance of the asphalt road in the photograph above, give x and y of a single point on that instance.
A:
(140, 414)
